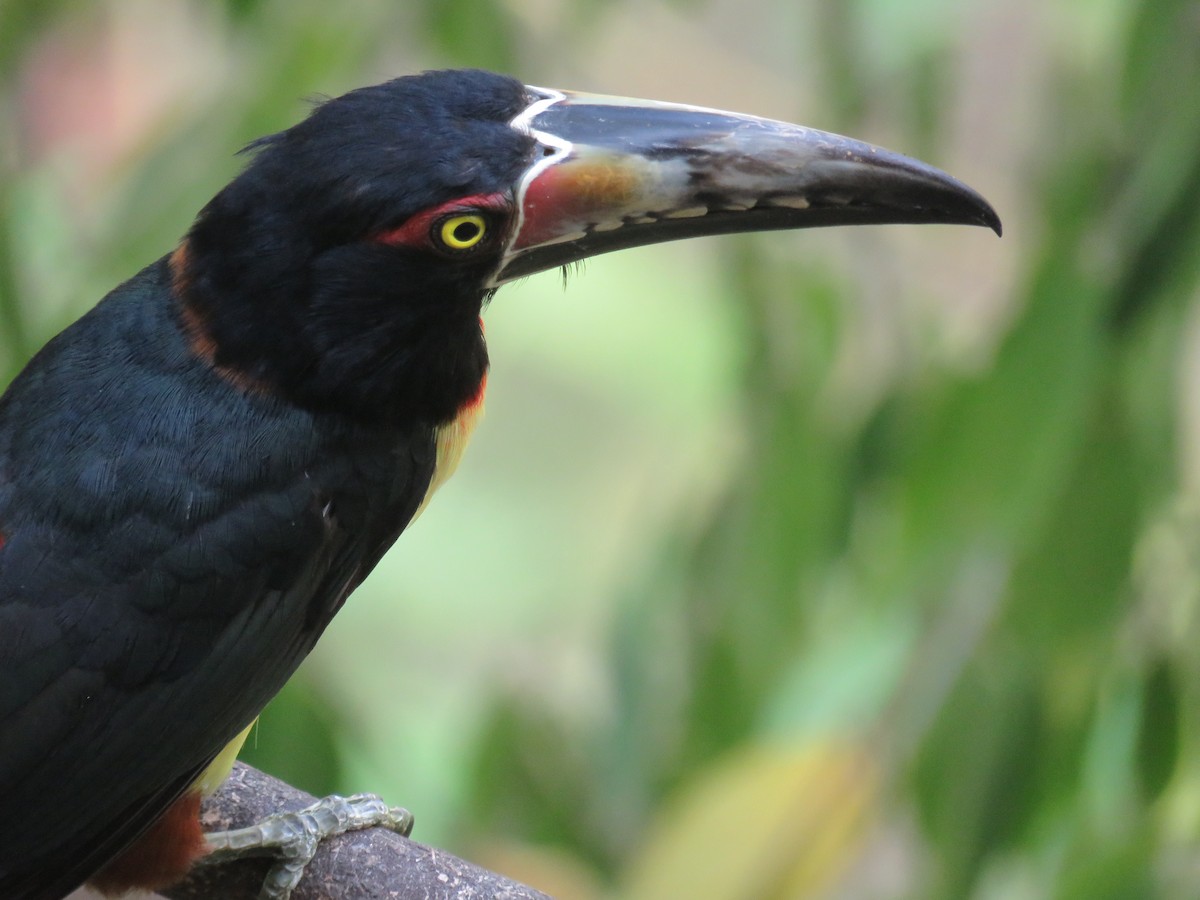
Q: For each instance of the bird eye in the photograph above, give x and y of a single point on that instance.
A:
(462, 232)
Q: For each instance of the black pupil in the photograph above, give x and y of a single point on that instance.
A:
(465, 232)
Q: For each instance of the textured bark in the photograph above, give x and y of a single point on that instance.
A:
(375, 863)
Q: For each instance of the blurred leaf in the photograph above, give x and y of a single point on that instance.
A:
(1151, 392)
(764, 822)
(1106, 872)
(844, 83)
(22, 23)
(648, 648)
(976, 773)
(242, 9)
(12, 322)
(1159, 219)
(993, 457)
(1072, 583)
(1162, 51)
(1158, 743)
(929, 98)
(529, 779)
(756, 566)
(479, 34)
(1159, 205)
(294, 739)
(550, 871)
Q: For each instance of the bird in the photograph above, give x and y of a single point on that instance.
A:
(196, 474)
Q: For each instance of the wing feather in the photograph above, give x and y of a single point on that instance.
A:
(167, 564)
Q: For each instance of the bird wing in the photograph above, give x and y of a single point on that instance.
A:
(168, 559)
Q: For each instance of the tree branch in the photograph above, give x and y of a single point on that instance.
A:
(363, 865)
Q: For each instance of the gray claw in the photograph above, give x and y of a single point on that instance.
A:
(294, 837)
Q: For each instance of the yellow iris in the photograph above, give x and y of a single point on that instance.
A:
(463, 232)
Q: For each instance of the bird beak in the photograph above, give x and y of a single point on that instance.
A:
(611, 173)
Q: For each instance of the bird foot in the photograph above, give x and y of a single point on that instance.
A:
(294, 837)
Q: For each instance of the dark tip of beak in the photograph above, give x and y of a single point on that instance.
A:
(991, 220)
(897, 189)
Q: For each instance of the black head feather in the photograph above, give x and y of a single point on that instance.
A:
(286, 251)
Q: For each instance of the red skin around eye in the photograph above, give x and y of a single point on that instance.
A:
(415, 232)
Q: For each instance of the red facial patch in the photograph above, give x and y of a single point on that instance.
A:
(416, 231)
(568, 197)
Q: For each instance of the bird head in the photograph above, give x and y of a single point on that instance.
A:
(365, 239)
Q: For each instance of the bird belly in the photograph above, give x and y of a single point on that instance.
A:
(452, 441)
(218, 770)
(161, 855)
(167, 849)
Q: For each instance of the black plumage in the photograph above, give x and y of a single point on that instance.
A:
(178, 530)
(195, 475)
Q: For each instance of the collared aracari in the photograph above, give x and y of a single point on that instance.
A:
(197, 473)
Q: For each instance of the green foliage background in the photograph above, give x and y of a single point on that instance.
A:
(853, 564)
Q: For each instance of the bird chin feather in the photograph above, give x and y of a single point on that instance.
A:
(572, 268)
